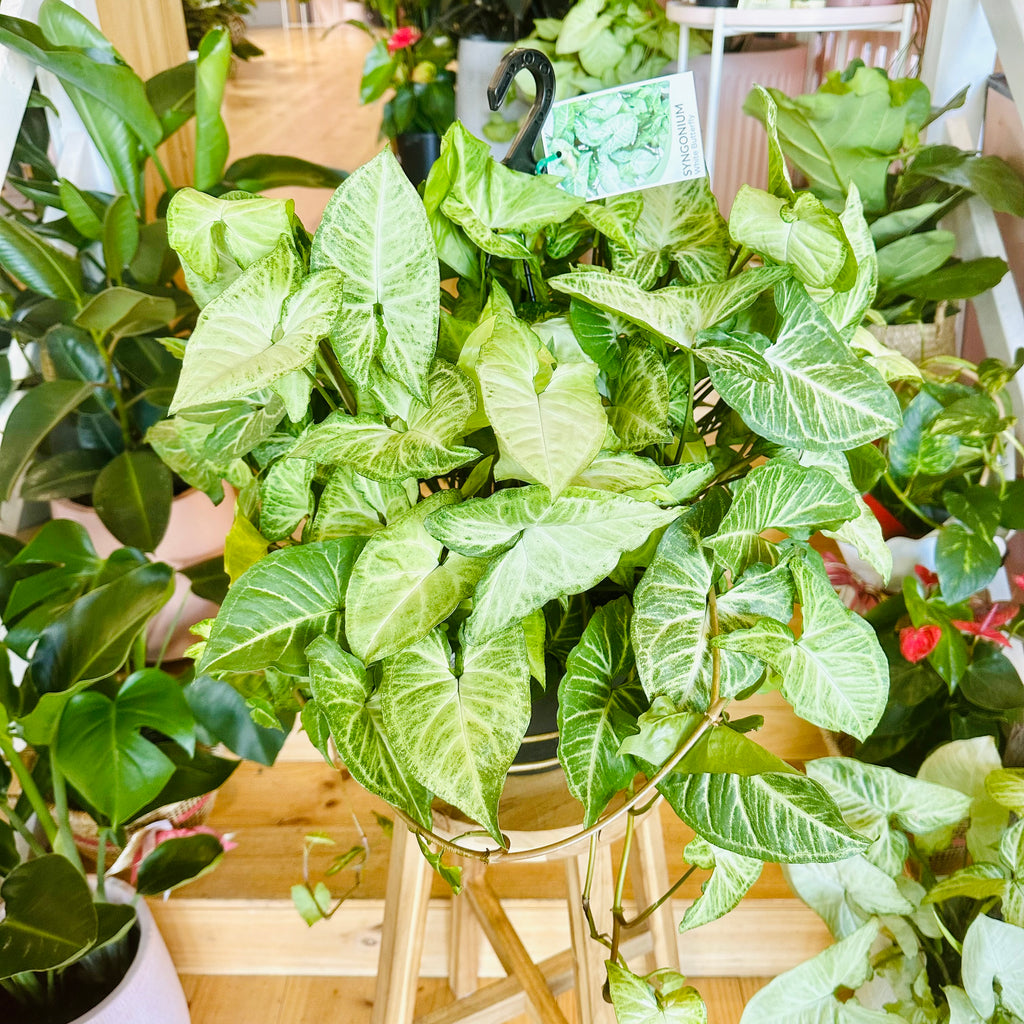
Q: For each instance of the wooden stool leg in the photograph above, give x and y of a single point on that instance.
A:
(405, 921)
(589, 956)
(649, 874)
(464, 944)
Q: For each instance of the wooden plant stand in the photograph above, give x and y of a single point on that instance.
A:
(543, 803)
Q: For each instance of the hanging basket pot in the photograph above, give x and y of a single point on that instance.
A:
(920, 341)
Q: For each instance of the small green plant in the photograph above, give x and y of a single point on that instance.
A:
(929, 920)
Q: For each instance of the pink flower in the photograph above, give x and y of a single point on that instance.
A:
(995, 619)
(195, 830)
(855, 593)
(926, 576)
(917, 642)
(1018, 581)
(403, 37)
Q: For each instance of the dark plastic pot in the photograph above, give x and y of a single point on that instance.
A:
(417, 152)
(718, 3)
(543, 723)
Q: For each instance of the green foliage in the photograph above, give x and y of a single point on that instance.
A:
(565, 479)
(861, 132)
(941, 924)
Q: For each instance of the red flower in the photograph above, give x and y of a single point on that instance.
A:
(403, 37)
(917, 642)
(995, 619)
(1018, 581)
(926, 576)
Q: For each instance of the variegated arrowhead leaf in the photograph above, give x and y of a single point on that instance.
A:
(549, 422)
(375, 232)
(836, 675)
(846, 894)
(402, 586)
(639, 399)
(344, 694)
(994, 956)
(458, 733)
(673, 313)
(343, 510)
(384, 453)
(784, 496)
(670, 624)
(218, 237)
(732, 875)
(777, 816)
(544, 549)
(285, 497)
(276, 609)
(599, 699)
(637, 1002)
(822, 397)
(679, 223)
(806, 994)
(801, 232)
(846, 309)
(262, 327)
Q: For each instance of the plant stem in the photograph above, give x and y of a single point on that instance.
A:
(101, 866)
(64, 843)
(115, 389)
(331, 403)
(28, 785)
(16, 822)
(620, 884)
(908, 502)
(716, 670)
(329, 361)
(668, 894)
(711, 718)
(139, 652)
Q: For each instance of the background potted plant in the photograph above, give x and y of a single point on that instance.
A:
(860, 127)
(552, 475)
(104, 766)
(927, 921)
(411, 59)
(203, 15)
(91, 293)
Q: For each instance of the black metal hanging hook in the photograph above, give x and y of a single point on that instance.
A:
(520, 153)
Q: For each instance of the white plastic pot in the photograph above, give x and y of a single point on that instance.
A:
(150, 992)
(196, 532)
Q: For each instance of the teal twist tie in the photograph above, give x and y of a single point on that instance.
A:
(543, 164)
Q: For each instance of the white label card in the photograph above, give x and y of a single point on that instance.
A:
(625, 139)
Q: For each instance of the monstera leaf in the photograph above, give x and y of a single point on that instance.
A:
(458, 733)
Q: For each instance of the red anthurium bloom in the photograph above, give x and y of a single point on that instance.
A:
(1018, 581)
(917, 642)
(403, 37)
(995, 619)
(926, 576)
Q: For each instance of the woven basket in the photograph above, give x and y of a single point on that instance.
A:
(183, 814)
(920, 341)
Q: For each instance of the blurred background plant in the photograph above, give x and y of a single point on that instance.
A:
(203, 15)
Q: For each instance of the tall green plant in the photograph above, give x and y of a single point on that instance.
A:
(549, 475)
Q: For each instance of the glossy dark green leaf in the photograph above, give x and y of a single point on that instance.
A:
(172, 95)
(97, 731)
(120, 236)
(222, 711)
(35, 415)
(120, 311)
(31, 260)
(49, 916)
(133, 499)
(208, 579)
(958, 281)
(261, 171)
(212, 69)
(965, 562)
(84, 211)
(70, 474)
(991, 681)
(104, 623)
(177, 861)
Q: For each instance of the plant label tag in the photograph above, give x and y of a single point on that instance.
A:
(625, 139)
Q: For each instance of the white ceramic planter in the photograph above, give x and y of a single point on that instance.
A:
(478, 59)
(150, 992)
(196, 532)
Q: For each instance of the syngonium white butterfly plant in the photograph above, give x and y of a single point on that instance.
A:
(550, 475)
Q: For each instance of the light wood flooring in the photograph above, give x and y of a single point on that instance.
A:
(244, 956)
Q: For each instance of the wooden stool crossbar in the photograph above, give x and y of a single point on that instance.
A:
(477, 912)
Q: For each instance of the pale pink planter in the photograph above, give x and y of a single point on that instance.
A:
(196, 532)
(150, 992)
